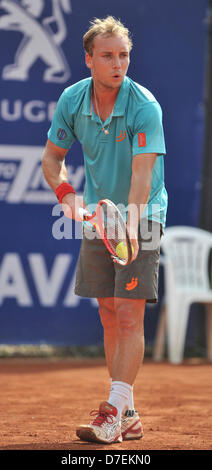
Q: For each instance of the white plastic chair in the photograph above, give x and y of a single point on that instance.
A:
(186, 281)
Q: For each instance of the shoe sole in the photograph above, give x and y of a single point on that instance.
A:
(133, 438)
(87, 434)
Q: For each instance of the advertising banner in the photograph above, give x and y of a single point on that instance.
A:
(41, 53)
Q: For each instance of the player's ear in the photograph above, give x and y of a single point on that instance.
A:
(88, 60)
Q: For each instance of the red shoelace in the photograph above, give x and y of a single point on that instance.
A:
(101, 417)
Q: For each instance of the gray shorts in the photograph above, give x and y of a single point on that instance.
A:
(98, 276)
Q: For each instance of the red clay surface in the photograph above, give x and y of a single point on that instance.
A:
(42, 402)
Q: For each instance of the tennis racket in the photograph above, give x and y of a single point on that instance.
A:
(110, 225)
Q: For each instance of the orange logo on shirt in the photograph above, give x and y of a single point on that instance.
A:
(142, 139)
(121, 137)
(131, 285)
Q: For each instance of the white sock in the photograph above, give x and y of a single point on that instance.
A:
(130, 404)
(119, 396)
(131, 401)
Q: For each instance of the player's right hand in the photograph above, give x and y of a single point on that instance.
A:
(71, 204)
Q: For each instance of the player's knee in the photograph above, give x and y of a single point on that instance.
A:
(128, 319)
(107, 318)
(107, 314)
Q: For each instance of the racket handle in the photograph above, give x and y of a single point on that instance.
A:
(84, 214)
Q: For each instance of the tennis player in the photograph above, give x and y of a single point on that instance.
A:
(119, 125)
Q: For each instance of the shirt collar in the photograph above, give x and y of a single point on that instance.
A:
(120, 104)
(86, 109)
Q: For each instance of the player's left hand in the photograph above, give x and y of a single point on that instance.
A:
(133, 235)
(135, 247)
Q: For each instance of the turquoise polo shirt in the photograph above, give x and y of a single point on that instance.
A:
(135, 128)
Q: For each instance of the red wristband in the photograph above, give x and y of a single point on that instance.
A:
(62, 190)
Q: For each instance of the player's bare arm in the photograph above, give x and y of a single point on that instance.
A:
(55, 172)
(142, 166)
(53, 164)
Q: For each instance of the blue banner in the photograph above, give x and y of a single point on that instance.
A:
(41, 53)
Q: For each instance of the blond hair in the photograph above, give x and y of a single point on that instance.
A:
(107, 26)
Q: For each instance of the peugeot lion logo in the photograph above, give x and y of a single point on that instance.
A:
(41, 38)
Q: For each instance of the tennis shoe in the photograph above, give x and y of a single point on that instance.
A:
(131, 427)
(104, 428)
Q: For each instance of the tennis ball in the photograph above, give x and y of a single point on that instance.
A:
(121, 250)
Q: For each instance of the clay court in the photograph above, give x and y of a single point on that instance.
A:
(42, 402)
